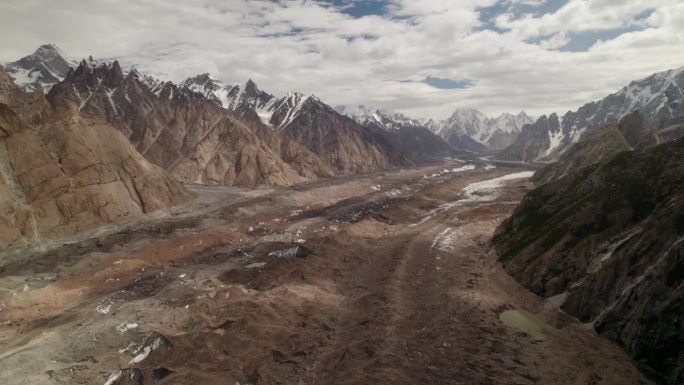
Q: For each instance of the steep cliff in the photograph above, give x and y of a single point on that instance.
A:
(610, 238)
(62, 172)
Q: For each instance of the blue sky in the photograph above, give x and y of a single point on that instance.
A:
(423, 58)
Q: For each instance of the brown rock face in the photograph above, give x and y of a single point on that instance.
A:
(340, 141)
(62, 172)
(190, 137)
(611, 238)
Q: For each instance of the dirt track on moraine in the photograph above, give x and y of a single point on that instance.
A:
(395, 291)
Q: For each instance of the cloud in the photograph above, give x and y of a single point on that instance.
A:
(375, 53)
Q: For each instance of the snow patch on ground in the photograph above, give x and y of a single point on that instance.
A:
(105, 305)
(446, 240)
(446, 171)
(483, 191)
(113, 377)
(142, 356)
(126, 326)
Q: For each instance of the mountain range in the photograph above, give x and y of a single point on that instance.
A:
(514, 137)
(62, 171)
(483, 133)
(83, 144)
(659, 98)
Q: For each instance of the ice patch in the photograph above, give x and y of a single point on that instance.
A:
(295, 213)
(483, 191)
(446, 171)
(256, 265)
(554, 140)
(446, 239)
(142, 356)
(113, 377)
(126, 326)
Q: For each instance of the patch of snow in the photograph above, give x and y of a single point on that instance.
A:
(126, 326)
(256, 265)
(113, 377)
(105, 305)
(446, 239)
(446, 171)
(555, 141)
(141, 356)
(483, 191)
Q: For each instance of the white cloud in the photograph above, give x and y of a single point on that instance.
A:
(311, 47)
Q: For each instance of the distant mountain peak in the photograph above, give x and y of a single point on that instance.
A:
(494, 133)
(42, 69)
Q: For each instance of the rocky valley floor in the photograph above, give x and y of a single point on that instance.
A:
(393, 282)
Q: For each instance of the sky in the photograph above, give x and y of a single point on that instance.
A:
(424, 58)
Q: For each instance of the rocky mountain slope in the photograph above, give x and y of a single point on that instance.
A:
(632, 132)
(193, 138)
(408, 136)
(533, 139)
(659, 98)
(490, 133)
(42, 69)
(341, 142)
(596, 147)
(609, 240)
(62, 172)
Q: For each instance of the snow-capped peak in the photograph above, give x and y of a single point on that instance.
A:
(42, 69)
(367, 116)
(493, 132)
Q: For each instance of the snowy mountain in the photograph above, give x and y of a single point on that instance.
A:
(189, 136)
(492, 133)
(231, 96)
(42, 69)
(407, 135)
(368, 116)
(659, 98)
(244, 99)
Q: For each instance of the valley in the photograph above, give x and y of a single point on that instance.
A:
(381, 277)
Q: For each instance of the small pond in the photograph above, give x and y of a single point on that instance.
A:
(527, 322)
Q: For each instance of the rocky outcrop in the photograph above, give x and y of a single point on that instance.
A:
(408, 136)
(611, 239)
(192, 138)
(62, 172)
(637, 132)
(632, 132)
(597, 147)
(533, 139)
